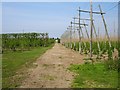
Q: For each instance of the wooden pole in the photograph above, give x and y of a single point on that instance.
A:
(96, 37)
(98, 33)
(71, 36)
(105, 26)
(83, 36)
(91, 30)
(79, 41)
(86, 30)
(74, 34)
(79, 33)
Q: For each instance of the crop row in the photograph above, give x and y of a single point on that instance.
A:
(85, 47)
(25, 41)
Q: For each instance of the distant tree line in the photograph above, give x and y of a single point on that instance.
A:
(25, 41)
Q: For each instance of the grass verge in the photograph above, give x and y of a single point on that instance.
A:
(13, 62)
(94, 76)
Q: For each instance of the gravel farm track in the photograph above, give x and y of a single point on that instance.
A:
(51, 69)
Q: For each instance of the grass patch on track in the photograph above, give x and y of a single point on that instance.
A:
(12, 62)
(94, 76)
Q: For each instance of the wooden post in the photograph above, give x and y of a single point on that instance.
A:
(86, 30)
(83, 36)
(96, 37)
(79, 40)
(79, 34)
(98, 33)
(74, 33)
(91, 30)
(105, 26)
(71, 36)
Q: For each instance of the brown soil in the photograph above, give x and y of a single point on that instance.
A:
(51, 69)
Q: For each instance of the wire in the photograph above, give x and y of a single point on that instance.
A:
(113, 7)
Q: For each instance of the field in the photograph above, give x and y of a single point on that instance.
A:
(19, 54)
(13, 61)
(94, 76)
(100, 71)
(85, 55)
(104, 48)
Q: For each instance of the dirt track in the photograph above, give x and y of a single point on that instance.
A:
(51, 69)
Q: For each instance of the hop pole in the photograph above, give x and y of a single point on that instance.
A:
(105, 26)
(91, 30)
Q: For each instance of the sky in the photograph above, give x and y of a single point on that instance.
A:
(53, 17)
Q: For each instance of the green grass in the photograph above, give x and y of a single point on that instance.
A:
(94, 76)
(13, 61)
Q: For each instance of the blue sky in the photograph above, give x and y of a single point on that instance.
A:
(51, 17)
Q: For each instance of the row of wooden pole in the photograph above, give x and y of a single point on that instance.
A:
(92, 26)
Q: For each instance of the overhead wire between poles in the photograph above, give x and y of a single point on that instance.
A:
(112, 7)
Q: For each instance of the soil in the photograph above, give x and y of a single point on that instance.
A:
(51, 69)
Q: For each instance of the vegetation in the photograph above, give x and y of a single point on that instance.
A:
(13, 61)
(25, 41)
(103, 73)
(94, 76)
(102, 51)
(19, 52)
(104, 47)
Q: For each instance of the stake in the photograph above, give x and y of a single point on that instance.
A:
(96, 37)
(91, 31)
(74, 34)
(79, 33)
(79, 40)
(71, 36)
(83, 36)
(86, 30)
(98, 33)
(105, 26)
